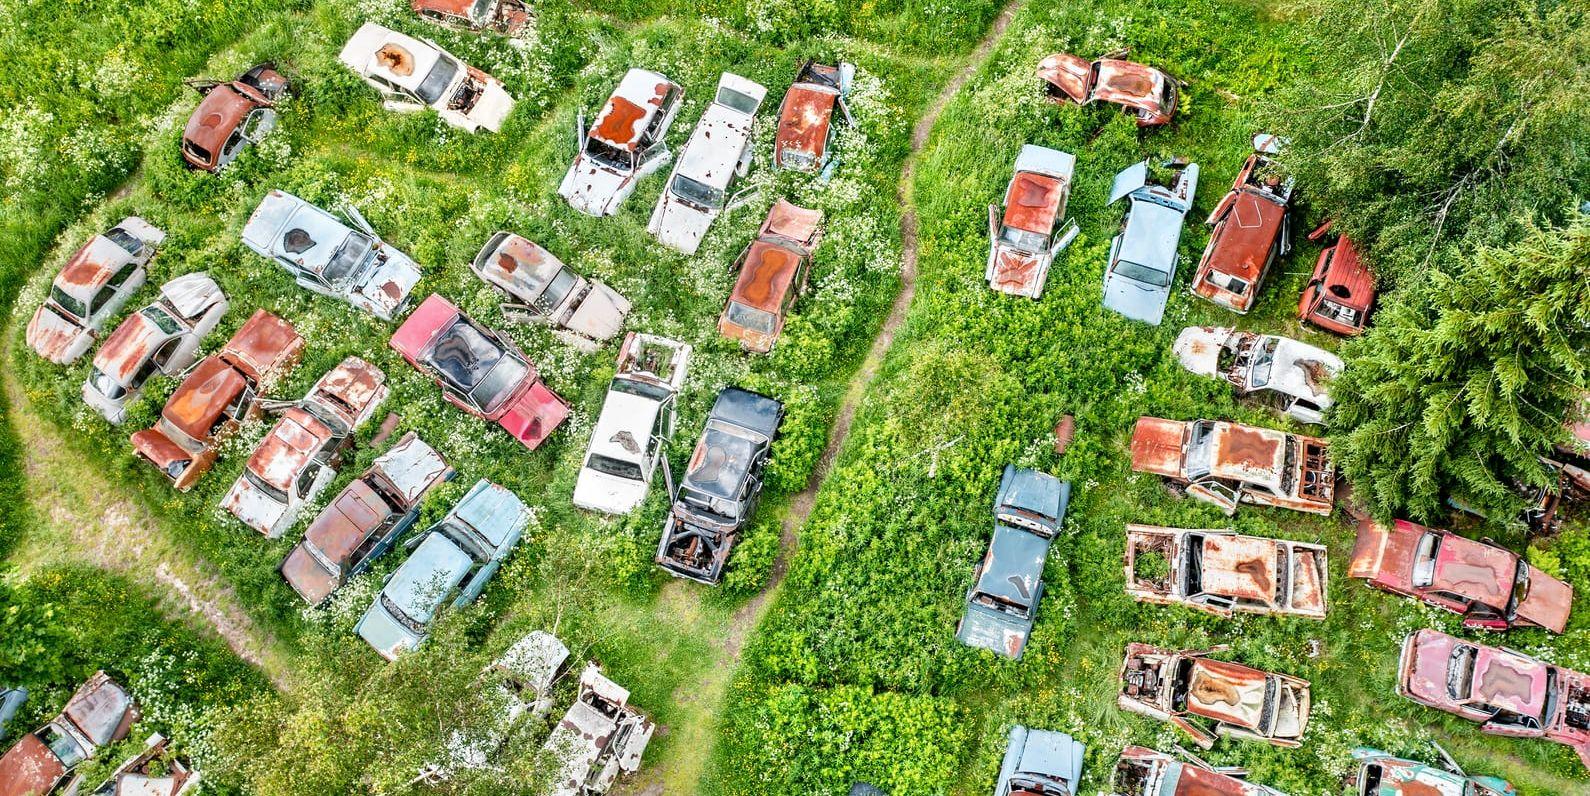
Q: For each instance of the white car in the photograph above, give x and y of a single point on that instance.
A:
(636, 422)
(163, 338)
(624, 144)
(584, 313)
(601, 737)
(1297, 373)
(92, 287)
(716, 156)
(414, 74)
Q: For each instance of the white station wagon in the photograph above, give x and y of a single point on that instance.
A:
(414, 74)
(716, 156)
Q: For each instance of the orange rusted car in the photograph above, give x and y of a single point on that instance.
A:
(806, 117)
(1252, 229)
(1228, 463)
(1206, 698)
(233, 116)
(1146, 93)
(773, 271)
(1341, 291)
(1221, 572)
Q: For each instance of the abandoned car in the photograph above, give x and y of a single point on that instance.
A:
(1145, 772)
(522, 681)
(1252, 229)
(581, 312)
(1226, 463)
(1146, 93)
(722, 484)
(163, 337)
(600, 737)
(806, 117)
(364, 520)
(100, 713)
(414, 74)
(624, 144)
(92, 287)
(1383, 774)
(11, 701)
(328, 257)
(1220, 572)
(636, 422)
(508, 17)
(455, 558)
(1188, 689)
(1490, 587)
(1039, 763)
(233, 116)
(1142, 263)
(219, 394)
(1024, 240)
(1002, 603)
(153, 772)
(1505, 692)
(1297, 374)
(1341, 292)
(480, 371)
(773, 271)
(716, 157)
(300, 455)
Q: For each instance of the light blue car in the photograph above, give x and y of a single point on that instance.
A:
(456, 556)
(1040, 762)
(1142, 264)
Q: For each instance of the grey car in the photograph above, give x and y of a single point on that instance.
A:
(1143, 259)
(1039, 763)
(1002, 604)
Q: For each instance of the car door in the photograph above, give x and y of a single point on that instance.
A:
(1222, 495)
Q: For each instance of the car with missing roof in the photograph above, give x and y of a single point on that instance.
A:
(93, 286)
(1492, 588)
(1225, 463)
(1341, 292)
(1024, 239)
(233, 116)
(1252, 230)
(624, 144)
(584, 313)
(1142, 260)
(600, 738)
(637, 420)
(1146, 772)
(155, 771)
(1039, 763)
(1007, 586)
(714, 160)
(508, 17)
(101, 712)
(218, 395)
(1295, 375)
(1146, 93)
(771, 274)
(451, 563)
(300, 455)
(414, 74)
(163, 338)
(480, 371)
(805, 137)
(1221, 572)
(520, 684)
(1384, 774)
(328, 257)
(1210, 699)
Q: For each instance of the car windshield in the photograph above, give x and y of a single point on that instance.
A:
(480, 12)
(733, 99)
(431, 88)
(1022, 239)
(105, 385)
(610, 156)
(697, 193)
(1000, 604)
(1460, 672)
(64, 747)
(260, 484)
(614, 467)
(161, 319)
(1198, 453)
(402, 618)
(556, 291)
(749, 318)
(71, 305)
(797, 159)
(355, 249)
(1141, 273)
(655, 392)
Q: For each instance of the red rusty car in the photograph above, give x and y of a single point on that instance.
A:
(1252, 229)
(1025, 238)
(219, 394)
(98, 714)
(806, 117)
(480, 371)
(1341, 292)
(1207, 698)
(92, 287)
(1228, 463)
(1145, 772)
(507, 17)
(1145, 92)
(1505, 692)
(773, 271)
(1492, 588)
(232, 116)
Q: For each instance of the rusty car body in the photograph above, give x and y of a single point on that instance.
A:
(637, 421)
(1143, 256)
(1492, 588)
(163, 337)
(508, 17)
(1297, 374)
(1341, 292)
(1252, 229)
(721, 487)
(219, 394)
(806, 131)
(1383, 774)
(234, 115)
(1024, 240)
(1007, 585)
(1227, 463)
(601, 737)
(718, 154)
(480, 371)
(1146, 772)
(1220, 572)
(99, 713)
(414, 74)
(1146, 93)
(1505, 692)
(773, 271)
(92, 287)
(300, 455)
(624, 144)
(584, 313)
(1039, 763)
(1191, 690)
(153, 772)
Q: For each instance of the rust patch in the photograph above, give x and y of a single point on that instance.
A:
(395, 59)
(1248, 448)
(618, 123)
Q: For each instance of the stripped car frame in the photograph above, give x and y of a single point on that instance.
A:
(1188, 688)
(585, 313)
(509, 17)
(1146, 772)
(1227, 463)
(601, 737)
(155, 771)
(1221, 572)
(1296, 373)
(1252, 229)
(1024, 240)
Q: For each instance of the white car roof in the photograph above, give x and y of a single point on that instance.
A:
(626, 421)
(413, 58)
(715, 146)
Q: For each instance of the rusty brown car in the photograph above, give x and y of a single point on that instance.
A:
(1207, 698)
(1146, 93)
(1145, 772)
(1228, 463)
(1252, 229)
(92, 287)
(100, 713)
(773, 271)
(1341, 292)
(806, 117)
(234, 115)
(508, 17)
(1220, 571)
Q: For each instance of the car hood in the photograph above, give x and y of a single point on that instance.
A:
(254, 508)
(1198, 349)
(55, 336)
(594, 190)
(493, 105)
(1135, 300)
(308, 577)
(382, 632)
(681, 226)
(1001, 633)
(385, 289)
(1016, 272)
(602, 492)
(532, 415)
(1046, 754)
(600, 315)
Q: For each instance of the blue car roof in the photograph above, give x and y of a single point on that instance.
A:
(1014, 566)
(491, 510)
(423, 582)
(1037, 492)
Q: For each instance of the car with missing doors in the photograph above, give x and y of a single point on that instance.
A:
(584, 313)
(1222, 572)
(233, 116)
(1209, 698)
(1026, 236)
(704, 181)
(624, 144)
(1143, 258)
(637, 420)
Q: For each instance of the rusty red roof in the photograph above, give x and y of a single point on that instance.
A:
(803, 121)
(264, 344)
(90, 267)
(218, 114)
(1348, 280)
(282, 454)
(201, 398)
(1251, 224)
(1131, 84)
(767, 276)
(1033, 202)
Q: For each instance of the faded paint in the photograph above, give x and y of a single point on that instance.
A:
(1263, 466)
(775, 264)
(1238, 699)
(629, 111)
(1145, 772)
(99, 713)
(1147, 93)
(805, 119)
(1250, 234)
(599, 738)
(225, 108)
(1341, 292)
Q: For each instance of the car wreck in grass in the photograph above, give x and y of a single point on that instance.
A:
(1024, 240)
(1383, 774)
(300, 455)
(414, 74)
(1221, 572)
(153, 772)
(1490, 587)
(234, 115)
(637, 420)
(601, 737)
(163, 337)
(1209, 699)
(1505, 692)
(218, 395)
(1252, 229)
(92, 287)
(624, 144)
(1146, 93)
(1007, 586)
(717, 156)
(1146, 772)
(1341, 291)
(773, 271)
(721, 487)
(328, 257)
(1143, 258)
(508, 17)
(1297, 374)
(480, 371)
(100, 713)
(1039, 763)
(584, 313)
(806, 129)
(1227, 463)
(522, 681)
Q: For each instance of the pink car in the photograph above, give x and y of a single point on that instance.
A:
(480, 371)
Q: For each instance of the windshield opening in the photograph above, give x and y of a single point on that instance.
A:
(556, 291)
(161, 319)
(1142, 274)
(72, 306)
(606, 154)
(697, 193)
(355, 249)
(402, 618)
(105, 385)
(615, 467)
(750, 318)
(259, 483)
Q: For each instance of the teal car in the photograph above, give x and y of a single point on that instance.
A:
(1382, 774)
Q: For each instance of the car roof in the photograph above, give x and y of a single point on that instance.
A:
(1510, 681)
(624, 427)
(289, 446)
(1014, 565)
(721, 460)
(295, 230)
(1243, 567)
(1151, 235)
(400, 59)
(1302, 370)
(202, 396)
(1252, 226)
(217, 115)
(341, 527)
(807, 113)
(1226, 692)
(423, 581)
(521, 266)
(129, 347)
(1481, 572)
(492, 510)
(1348, 280)
(715, 145)
(1248, 454)
(767, 275)
(29, 767)
(1129, 83)
(263, 344)
(638, 97)
(1032, 202)
(90, 267)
